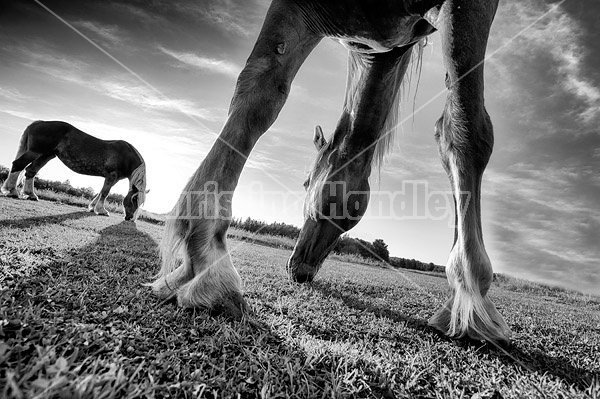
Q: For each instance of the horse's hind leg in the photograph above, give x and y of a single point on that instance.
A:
(31, 171)
(465, 139)
(198, 226)
(9, 188)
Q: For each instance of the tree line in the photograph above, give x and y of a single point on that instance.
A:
(376, 250)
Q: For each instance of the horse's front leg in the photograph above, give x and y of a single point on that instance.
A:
(109, 181)
(197, 230)
(93, 202)
(465, 140)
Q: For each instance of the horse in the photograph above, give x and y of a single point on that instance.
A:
(381, 37)
(82, 153)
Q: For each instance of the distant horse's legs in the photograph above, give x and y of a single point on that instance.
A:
(109, 182)
(31, 171)
(200, 221)
(465, 139)
(10, 185)
(93, 203)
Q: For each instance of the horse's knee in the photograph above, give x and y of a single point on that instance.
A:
(30, 173)
(464, 138)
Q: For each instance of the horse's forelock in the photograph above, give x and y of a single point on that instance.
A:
(314, 191)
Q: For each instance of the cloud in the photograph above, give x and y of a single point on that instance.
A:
(19, 114)
(121, 87)
(12, 94)
(550, 52)
(128, 91)
(541, 223)
(107, 33)
(213, 65)
(239, 17)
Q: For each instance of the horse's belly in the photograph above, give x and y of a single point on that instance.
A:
(90, 164)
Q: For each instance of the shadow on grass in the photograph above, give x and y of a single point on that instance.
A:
(46, 219)
(91, 309)
(353, 302)
(533, 360)
(559, 367)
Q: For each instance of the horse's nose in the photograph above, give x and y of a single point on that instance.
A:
(301, 272)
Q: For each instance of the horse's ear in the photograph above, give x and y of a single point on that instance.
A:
(319, 139)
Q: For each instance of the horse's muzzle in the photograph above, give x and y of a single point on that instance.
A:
(302, 272)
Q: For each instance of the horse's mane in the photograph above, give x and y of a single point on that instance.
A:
(138, 179)
(385, 137)
(356, 67)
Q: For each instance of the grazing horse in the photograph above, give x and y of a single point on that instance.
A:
(379, 35)
(82, 153)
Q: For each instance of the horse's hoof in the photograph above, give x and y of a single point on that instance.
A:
(10, 193)
(233, 307)
(32, 197)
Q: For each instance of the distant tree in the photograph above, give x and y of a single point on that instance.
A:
(3, 173)
(380, 249)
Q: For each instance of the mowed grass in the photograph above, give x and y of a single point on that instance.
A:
(76, 322)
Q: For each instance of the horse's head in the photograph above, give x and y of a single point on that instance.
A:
(132, 202)
(337, 196)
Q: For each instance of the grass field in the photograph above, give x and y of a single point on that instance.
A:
(76, 322)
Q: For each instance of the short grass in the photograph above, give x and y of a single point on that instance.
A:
(111, 207)
(76, 322)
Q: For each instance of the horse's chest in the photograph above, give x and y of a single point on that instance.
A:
(371, 27)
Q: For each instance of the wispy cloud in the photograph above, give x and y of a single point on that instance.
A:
(119, 86)
(557, 39)
(543, 223)
(19, 114)
(12, 94)
(209, 64)
(235, 17)
(568, 53)
(107, 33)
(128, 91)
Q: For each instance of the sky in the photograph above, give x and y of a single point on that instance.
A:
(161, 74)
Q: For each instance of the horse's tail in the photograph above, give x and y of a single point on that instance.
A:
(24, 142)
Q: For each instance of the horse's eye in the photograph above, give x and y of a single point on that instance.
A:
(306, 183)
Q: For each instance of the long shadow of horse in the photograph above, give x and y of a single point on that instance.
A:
(46, 219)
(532, 360)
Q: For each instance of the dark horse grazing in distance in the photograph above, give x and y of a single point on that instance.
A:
(380, 36)
(112, 159)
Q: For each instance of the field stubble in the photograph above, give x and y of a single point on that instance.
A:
(77, 322)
